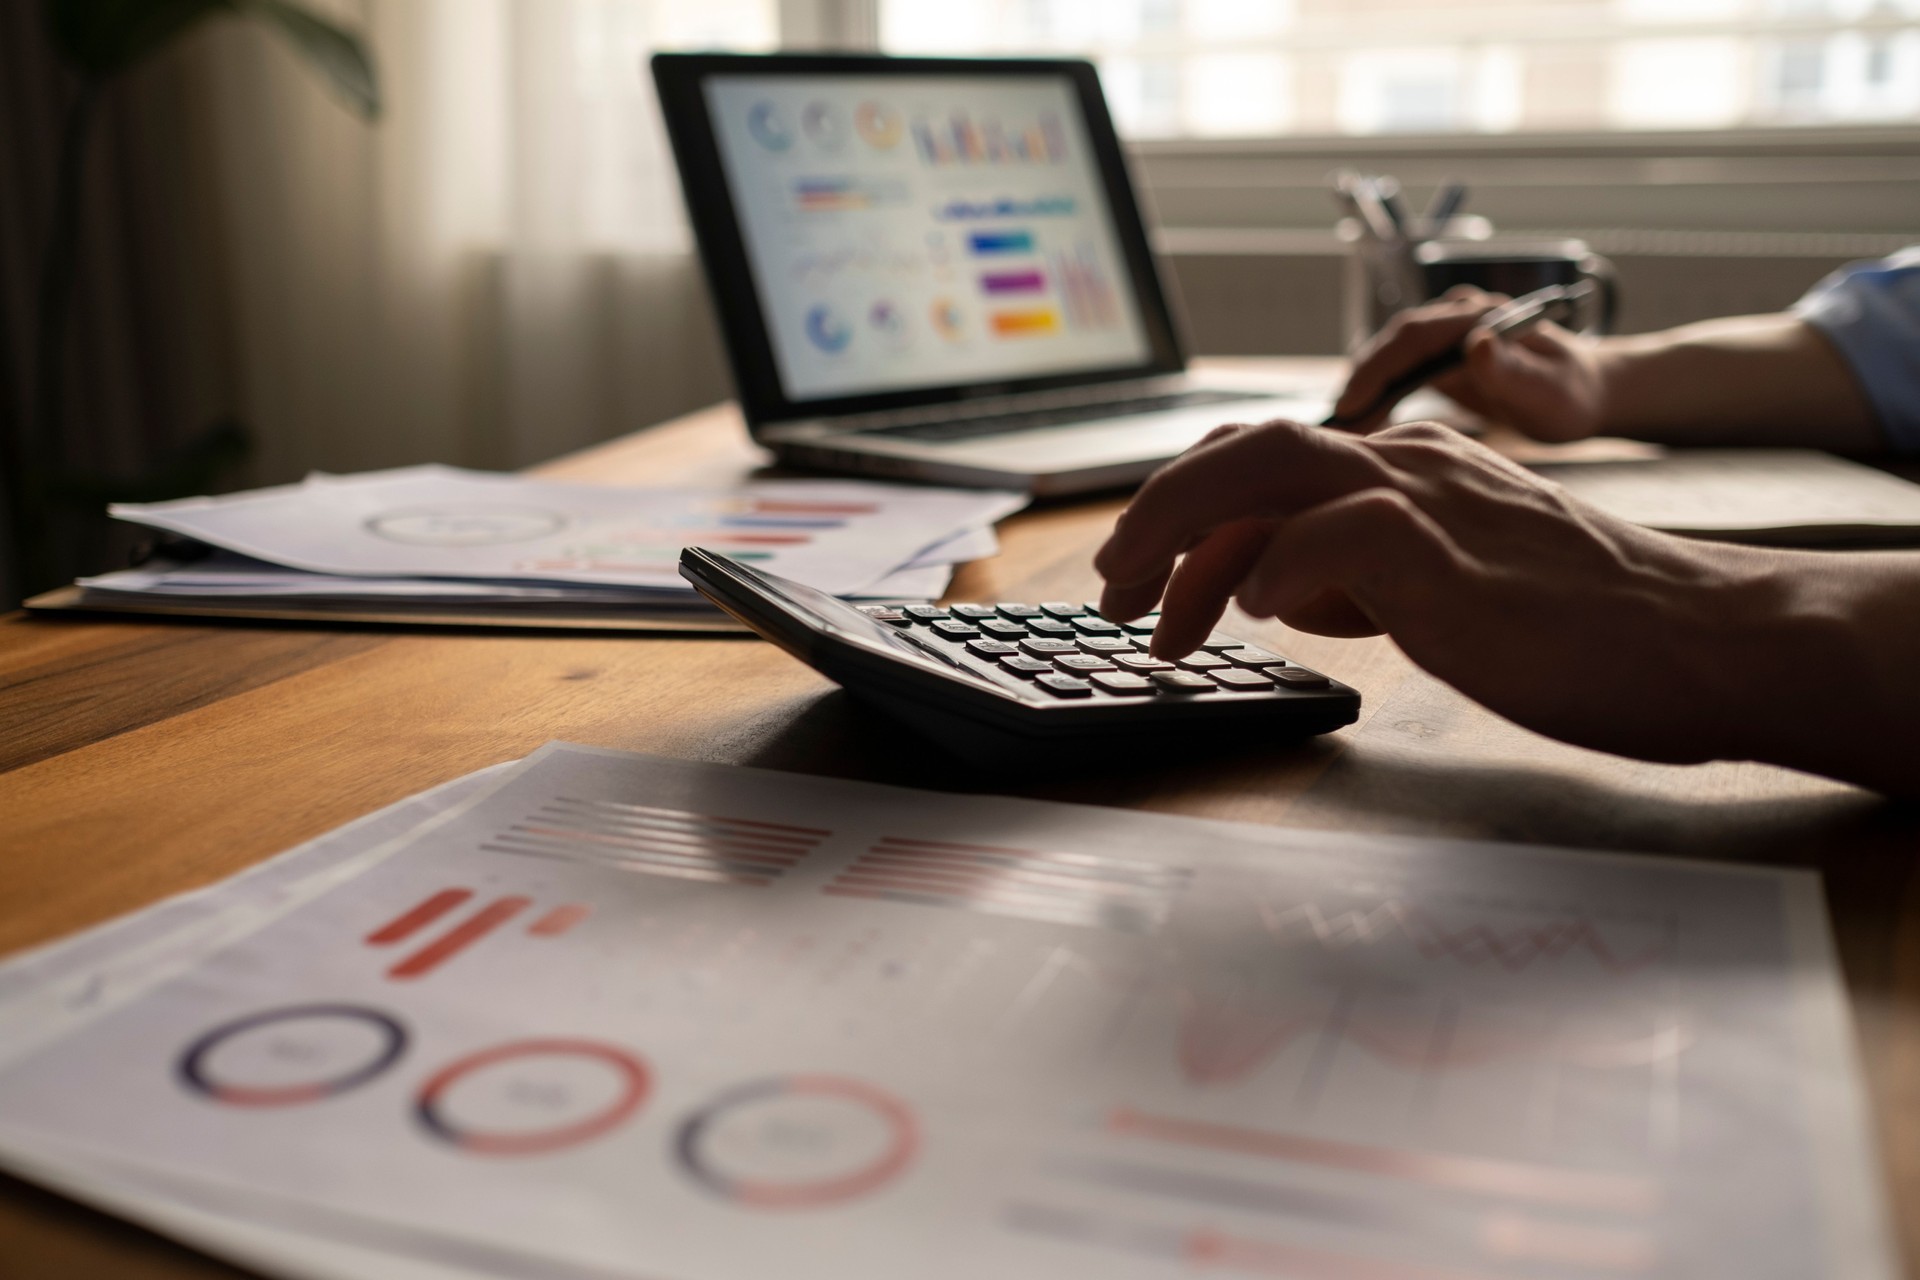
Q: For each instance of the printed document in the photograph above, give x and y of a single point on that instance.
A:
(608, 1015)
(840, 537)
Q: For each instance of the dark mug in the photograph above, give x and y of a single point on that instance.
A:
(1515, 267)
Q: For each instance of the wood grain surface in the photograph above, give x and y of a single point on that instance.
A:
(138, 760)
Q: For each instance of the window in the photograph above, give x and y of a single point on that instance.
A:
(1249, 68)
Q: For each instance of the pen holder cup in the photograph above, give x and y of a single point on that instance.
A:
(1383, 281)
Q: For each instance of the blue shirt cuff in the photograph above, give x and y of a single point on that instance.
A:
(1870, 311)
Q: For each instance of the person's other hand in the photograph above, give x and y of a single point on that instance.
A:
(1544, 381)
(1553, 613)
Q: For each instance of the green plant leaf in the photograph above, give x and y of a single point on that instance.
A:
(102, 37)
(337, 54)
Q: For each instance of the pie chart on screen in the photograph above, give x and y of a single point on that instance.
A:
(827, 330)
(822, 124)
(767, 128)
(878, 126)
(889, 321)
(948, 320)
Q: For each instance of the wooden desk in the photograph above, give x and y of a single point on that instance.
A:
(141, 760)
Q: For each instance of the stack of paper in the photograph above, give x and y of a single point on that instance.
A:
(600, 1016)
(441, 538)
(1786, 497)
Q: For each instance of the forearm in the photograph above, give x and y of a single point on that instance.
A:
(1820, 669)
(1750, 380)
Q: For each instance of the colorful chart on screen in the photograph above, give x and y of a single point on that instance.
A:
(931, 196)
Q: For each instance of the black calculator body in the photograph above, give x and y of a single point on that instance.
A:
(1011, 684)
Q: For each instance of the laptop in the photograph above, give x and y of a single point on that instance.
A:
(935, 269)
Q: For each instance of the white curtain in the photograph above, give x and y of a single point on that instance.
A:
(497, 270)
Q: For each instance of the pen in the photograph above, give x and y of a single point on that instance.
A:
(1357, 191)
(1386, 190)
(1446, 202)
(1556, 302)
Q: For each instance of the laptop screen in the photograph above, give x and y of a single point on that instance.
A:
(923, 231)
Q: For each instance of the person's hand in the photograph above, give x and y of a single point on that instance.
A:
(1543, 381)
(1553, 613)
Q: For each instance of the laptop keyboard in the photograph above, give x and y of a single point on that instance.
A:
(1059, 416)
(1072, 652)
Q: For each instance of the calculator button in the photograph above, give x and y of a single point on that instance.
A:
(1050, 627)
(895, 616)
(1141, 626)
(1122, 682)
(991, 648)
(1001, 629)
(1105, 644)
(1201, 662)
(1017, 611)
(1298, 678)
(1235, 678)
(1088, 625)
(1141, 662)
(924, 612)
(973, 611)
(955, 630)
(1046, 646)
(1220, 642)
(1254, 658)
(1065, 686)
(1026, 668)
(1082, 662)
(1062, 608)
(1182, 681)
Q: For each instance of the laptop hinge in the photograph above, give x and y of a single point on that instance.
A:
(965, 410)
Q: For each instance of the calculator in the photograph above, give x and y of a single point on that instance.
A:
(1011, 683)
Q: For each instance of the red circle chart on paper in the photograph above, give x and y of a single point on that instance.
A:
(798, 1142)
(293, 1055)
(531, 1097)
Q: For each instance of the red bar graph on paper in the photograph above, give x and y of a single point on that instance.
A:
(431, 910)
(559, 920)
(459, 938)
(416, 918)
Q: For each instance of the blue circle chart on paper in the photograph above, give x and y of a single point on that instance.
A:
(530, 1097)
(768, 128)
(827, 330)
(288, 1056)
(798, 1142)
